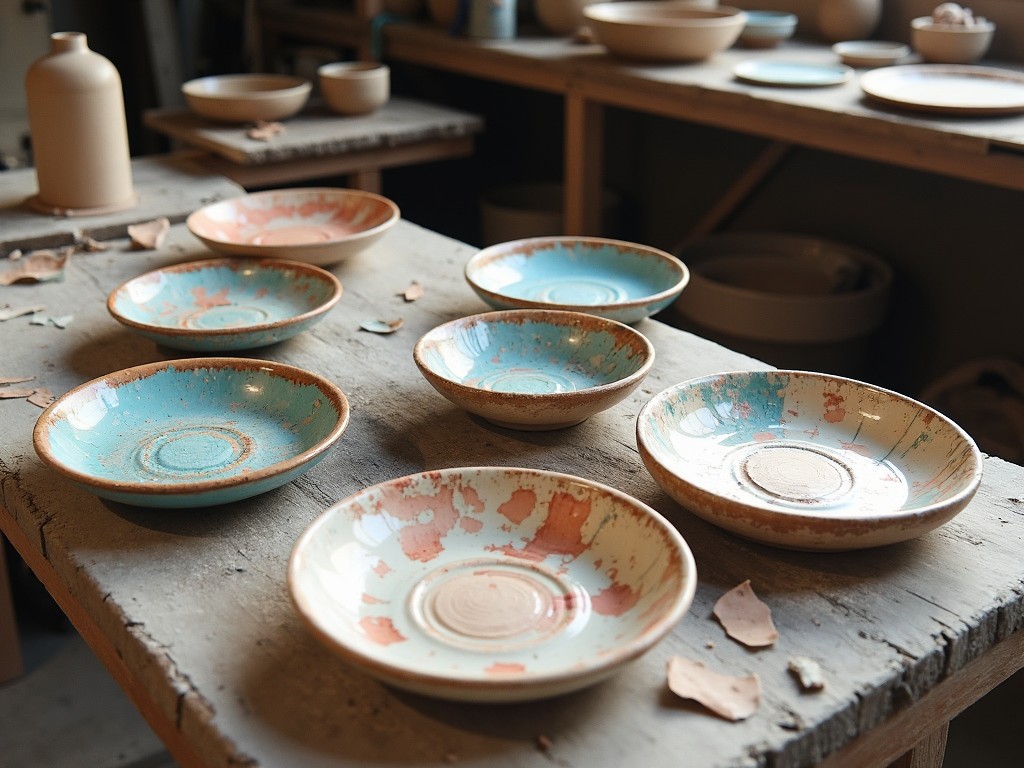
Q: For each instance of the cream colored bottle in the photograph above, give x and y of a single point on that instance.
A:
(79, 132)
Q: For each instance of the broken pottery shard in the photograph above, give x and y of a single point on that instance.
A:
(41, 397)
(5, 380)
(745, 617)
(91, 245)
(150, 234)
(381, 326)
(264, 131)
(734, 698)
(9, 313)
(37, 267)
(15, 393)
(807, 672)
(413, 292)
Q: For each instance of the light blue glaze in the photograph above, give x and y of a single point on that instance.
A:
(225, 304)
(612, 279)
(192, 432)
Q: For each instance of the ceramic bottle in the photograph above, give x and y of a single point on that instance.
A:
(848, 19)
(78, 128)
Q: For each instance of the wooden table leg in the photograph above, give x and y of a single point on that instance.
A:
(11, 665)
(927, 753)
(584, 166)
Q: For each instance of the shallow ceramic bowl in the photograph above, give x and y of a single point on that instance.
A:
(609, 278)
(664, 30)
(766, 29)
(225, 304)
(534, 369)
(870, 53)
(491, 584)
(316, 225)
(950, 43)
(807, 460)
(354, 87)
(246, 98)
(191, 433)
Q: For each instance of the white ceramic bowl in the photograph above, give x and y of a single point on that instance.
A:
(807, 460)
(317, 225)
(491, 584)
(354, 87)
(246, 98)
(950, 43)
(664, 30)
(766, 29)
(870, 53)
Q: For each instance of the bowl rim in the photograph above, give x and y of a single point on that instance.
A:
(331, 391)
(234, 265)
(928, 24)
(290, 85)
(394, 214)
(652, 634)
(352, 70)
(552, 317)
(677, 14)
(959, 499)
(496, 252)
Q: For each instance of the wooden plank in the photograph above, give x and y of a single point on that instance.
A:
(584, 165)
(10, 645)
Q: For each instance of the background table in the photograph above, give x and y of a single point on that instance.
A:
(190, 610)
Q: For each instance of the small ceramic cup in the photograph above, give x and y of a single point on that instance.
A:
(951, 43)
(354, 87)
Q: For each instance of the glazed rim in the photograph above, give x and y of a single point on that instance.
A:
(663, 13)
(297, 194)
(350, 70)
(296, 375)
(927, 23)
(652, 633)
(275, 86)
(235, 265)
(961, 497)
(556, 317)
(500, 251)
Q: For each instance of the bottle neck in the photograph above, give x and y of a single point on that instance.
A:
(68, 42)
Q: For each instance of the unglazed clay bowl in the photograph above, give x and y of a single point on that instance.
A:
(534, 369)
(951, 43)
(354, 87)
(766, 29)
(491, 584)
(225, 304)
(191, 433)
(246, 98)
(608, 278)
(664, 30)
(807, 460)
(317, 225)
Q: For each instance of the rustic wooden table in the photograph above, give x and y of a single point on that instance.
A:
(189, 608)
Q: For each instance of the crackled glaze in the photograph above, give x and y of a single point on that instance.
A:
(491, 583)
(534, 369)
(224, 304)
(189, 433)
(609, 278)
(807, 460)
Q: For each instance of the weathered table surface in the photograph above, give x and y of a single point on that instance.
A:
(190, 609)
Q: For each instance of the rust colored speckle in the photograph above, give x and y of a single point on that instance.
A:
(834, 411)
(382, 568)
(381, 630)
(470, 524)
(204, 301)
(561, 533)
(763, 437)
(429, 518)
(371, 600)
(614, 600)
(505, 668)
(520, 506)
(472, 499)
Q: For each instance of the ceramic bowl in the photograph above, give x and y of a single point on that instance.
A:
(191, 433)
(807, 460)
(950, 43)
(766, 29)
(534, 369)
(354, 87)
(225, 304)
(561, 17)
(664, 30)
(246, 98)
(491, 584)
(316, 225)
(608, 278)
(870, 53)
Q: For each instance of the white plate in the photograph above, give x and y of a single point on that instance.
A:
(870, 53)
(948, 88)
(791, 73)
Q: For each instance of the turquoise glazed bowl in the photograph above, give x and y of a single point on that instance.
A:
(491, 584)
(225, 304)
(191, 433)
(807, 460)
(608, 278)
(534, 369)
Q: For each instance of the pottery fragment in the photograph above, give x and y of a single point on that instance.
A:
(382, 326)
(734, 698)
(265, 131)
(413, 292)
(149, 235)
(9, 313)
(38, 267)
(807, 672)
(745, 618)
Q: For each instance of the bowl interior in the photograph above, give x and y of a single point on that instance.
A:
(224, 294)
(352, 70)
(491, 583)
(202, 422)
(533, 352)
(806, 443)
(663, 13)
(245, 87)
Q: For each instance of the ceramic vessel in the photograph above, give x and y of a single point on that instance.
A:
(534, 369)
(870, 53)
(613, 279)
(316, 225)
(216, 305)
(79, 132)
(491, 584)
(354, 87)
(807, 460)
(191, 433)
(951, 43)
(766, 29)
(561, 17)
(247, 97)
(848, 19)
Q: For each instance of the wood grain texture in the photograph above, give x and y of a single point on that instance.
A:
(194, 602)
